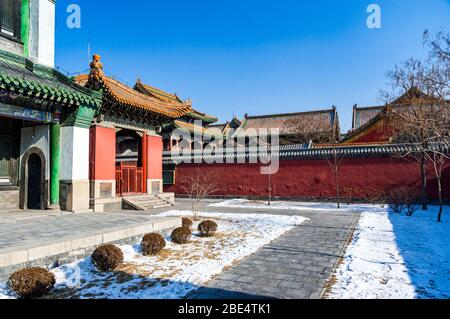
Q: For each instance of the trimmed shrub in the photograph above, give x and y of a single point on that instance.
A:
(152, 244)
(207, 228)
(31, 282)
(187, 223)
(107, 257)
(181, 235)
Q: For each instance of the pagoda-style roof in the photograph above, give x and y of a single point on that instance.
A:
(39, 86)
(364, 115)
(122, 96)
(218, 127)
(156, 93)
(191, 128)
(373, 124)
(172, 98)
(196, 115)
(321, 120)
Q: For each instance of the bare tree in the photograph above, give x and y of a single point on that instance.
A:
(438, 158)
(335, 162)
(421, 115)
(198, 186)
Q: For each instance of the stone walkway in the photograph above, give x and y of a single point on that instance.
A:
(296, 265)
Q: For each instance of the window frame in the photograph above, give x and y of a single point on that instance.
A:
(17, 22)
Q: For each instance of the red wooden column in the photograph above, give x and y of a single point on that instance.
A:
(102, 160)
(144, 162)
(154, 164)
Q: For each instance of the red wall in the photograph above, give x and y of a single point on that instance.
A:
(102, 150)
(154, 157)
(313, 178)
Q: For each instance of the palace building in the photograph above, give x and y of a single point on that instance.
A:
(125, 148)
(41, 111)
(191, 123)
(83, 144)
(374, 124)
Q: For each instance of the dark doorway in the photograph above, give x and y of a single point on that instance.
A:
(34, 182)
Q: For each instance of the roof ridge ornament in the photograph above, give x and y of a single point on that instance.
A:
(96, 73)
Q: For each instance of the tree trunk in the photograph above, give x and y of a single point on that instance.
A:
(423, 173)
(441, 204)
(336, 179)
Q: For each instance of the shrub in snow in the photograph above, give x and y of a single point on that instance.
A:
(181, 235)
(410, 209)
(403, 199)
(187, 223)
(31, 282)
(397, 207)
(152, 244)
(107, 257)
(207, 228)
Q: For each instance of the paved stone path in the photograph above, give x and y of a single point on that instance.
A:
(296, 265)
(25, 229)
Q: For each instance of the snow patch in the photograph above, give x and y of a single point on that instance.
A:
(393, 256)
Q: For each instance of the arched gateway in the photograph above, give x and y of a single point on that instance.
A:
(34, 190)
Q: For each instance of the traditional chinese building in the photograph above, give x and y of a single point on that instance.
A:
(193, 122)
(41, 111)
(375, 124)
(313, 127)
(125, 149)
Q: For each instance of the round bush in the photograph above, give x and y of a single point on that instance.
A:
(152, 244)
(181, 235)
(31, 282)
(207, 228)
(107, 257)
(187, 223)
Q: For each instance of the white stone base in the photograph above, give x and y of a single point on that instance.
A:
(74, 196)
(152, 188)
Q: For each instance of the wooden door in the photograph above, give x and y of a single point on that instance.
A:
(128, 179)
(6, 143)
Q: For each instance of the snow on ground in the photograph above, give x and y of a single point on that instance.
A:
(179, 269)
(283, 205)
(395, 256)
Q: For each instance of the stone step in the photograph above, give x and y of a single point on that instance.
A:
(144, 202)
(156, 205)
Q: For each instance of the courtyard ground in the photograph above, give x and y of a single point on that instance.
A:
(287, 250)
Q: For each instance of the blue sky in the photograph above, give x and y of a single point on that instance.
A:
(244, 56)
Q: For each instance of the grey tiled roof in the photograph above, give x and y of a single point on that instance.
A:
(292, 152)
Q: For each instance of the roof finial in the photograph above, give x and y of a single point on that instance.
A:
(96, 73)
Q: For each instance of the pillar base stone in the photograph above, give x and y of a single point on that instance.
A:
(74, 196)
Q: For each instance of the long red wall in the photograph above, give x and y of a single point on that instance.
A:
(313, 178)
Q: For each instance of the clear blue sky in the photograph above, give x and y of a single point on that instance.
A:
(248, 56)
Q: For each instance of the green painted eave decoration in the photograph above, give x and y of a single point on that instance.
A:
(24, 78)
(46, 92)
